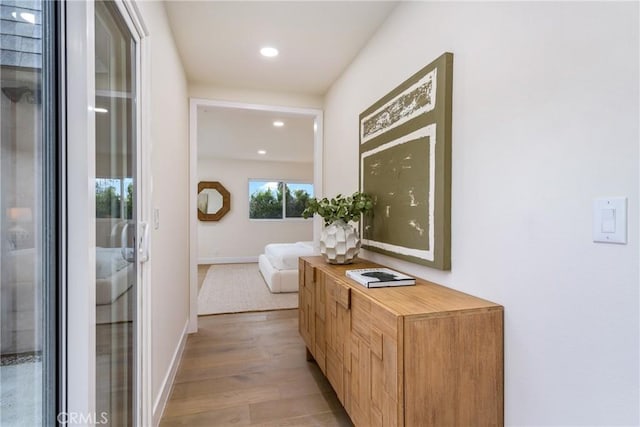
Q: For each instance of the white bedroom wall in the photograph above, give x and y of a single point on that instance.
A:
(236, 238)
(249, 96)
(170, 184)
(545, 119)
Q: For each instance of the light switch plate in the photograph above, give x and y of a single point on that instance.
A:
(610, 220)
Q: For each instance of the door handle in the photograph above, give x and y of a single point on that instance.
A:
(126, 251)
(143, 245)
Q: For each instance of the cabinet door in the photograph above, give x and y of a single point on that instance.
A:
(459, 378)
(306, 313)
(338, 326)
(375, 378)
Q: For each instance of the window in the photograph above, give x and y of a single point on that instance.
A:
(110, 202)
(266, 199)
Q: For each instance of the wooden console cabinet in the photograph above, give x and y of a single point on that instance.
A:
(422, 355)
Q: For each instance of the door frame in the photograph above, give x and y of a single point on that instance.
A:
(78, 257)
(132, 15)
(318, 143)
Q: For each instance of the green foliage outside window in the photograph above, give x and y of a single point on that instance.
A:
(129, 202)
(297, 202)
(109, 200)
(267, 202)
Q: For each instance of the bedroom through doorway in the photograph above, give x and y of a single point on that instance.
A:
(268, 159)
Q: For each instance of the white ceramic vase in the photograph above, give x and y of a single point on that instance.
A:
(339, 243)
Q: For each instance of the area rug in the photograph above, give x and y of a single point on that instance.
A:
(236, 288)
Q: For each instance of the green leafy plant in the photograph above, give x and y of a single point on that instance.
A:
(340, 208)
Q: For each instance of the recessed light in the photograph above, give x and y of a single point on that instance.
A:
(278, 123)
(269, 52)
(262, 152)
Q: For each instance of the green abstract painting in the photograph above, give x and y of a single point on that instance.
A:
(405, 165)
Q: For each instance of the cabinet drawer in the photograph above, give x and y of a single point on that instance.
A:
(309, 275)
(306, 311)
(341, 293)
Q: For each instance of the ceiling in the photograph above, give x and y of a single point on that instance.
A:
(219, 44)
(219, 41)
(232, 133)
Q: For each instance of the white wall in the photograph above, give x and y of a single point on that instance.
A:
(248, 96)
(545, 119)
(235, 237)
(170, 190)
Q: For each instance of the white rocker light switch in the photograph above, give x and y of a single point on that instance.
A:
(610, 220)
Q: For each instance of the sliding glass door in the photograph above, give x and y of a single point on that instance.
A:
(115, 216)
(29, 214)
(69, 259)
(105, 236)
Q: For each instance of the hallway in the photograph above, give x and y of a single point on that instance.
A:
(250, 369)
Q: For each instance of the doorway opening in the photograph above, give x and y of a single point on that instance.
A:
(226, 137)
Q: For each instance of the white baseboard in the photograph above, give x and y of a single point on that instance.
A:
(167, 384)
(228, 260)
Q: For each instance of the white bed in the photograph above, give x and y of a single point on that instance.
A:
(279, 264)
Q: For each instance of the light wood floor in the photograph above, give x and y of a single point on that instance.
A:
(249, 369)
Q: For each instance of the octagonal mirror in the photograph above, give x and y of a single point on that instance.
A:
(214, 201)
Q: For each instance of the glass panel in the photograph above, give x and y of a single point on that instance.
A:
(27, 216)
(297, 196)
(115, 217)
(265, 199)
